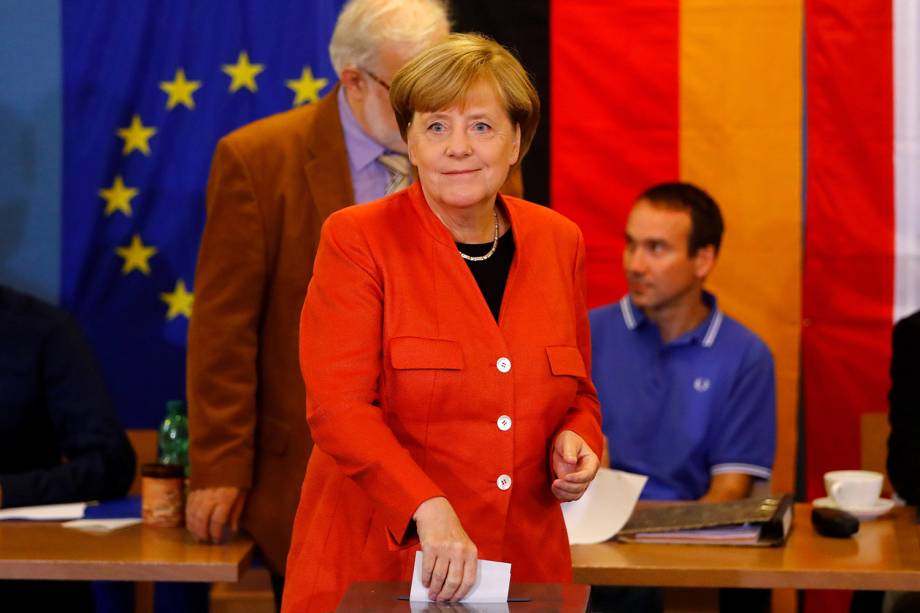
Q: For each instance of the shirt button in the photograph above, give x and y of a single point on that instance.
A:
(503, 482)
(504, 423)
(503, 365)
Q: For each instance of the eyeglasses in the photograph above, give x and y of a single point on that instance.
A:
(383, 83)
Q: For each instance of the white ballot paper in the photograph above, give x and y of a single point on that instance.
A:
(101, 525)
(604, 508)
(46, 512)
(491, 586)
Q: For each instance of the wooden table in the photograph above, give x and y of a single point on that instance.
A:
(42, 550)
(383, 596)
(883, 555)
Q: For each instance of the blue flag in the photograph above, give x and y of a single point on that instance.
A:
(150, 86)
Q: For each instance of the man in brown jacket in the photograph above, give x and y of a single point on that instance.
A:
(272, 185)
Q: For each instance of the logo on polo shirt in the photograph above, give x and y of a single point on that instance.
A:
(701, 384)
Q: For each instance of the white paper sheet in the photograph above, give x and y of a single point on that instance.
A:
(604, 509)
(46, 512)
(492, 582)
(101, 525)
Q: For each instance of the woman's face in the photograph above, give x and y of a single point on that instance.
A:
(463, 153)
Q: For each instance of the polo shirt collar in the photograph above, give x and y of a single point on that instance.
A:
(705, 334)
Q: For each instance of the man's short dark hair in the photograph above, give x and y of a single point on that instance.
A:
(706, 225)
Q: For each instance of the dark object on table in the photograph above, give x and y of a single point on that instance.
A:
(834, 523)
(773, 516)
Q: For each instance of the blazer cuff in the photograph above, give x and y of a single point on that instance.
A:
(401, 530)
(585, 426)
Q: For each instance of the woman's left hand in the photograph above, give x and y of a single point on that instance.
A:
(575, 465)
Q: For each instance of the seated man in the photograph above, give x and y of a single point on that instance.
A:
(687, 393)
(60, 439)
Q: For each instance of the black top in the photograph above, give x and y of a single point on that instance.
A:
(904, 402)
(54, 405)
(492, 274)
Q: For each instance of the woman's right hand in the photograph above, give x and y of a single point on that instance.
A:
(448, 554)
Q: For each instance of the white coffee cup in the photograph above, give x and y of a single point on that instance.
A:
(853, 489)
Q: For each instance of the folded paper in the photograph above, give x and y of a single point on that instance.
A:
(604, 508)
(492, 582)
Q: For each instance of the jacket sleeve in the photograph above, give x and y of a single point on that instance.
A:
(341, 358)
(98, 459)
(904, 403)
(584, 416)
(223, 331)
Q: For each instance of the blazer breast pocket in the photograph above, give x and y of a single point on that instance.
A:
(566, 367)
(425, 371)
(566, 361)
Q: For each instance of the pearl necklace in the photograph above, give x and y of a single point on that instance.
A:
(480, 258)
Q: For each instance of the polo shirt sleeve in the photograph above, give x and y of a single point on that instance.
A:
(745, 431)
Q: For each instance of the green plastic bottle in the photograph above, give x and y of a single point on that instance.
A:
(173, 436)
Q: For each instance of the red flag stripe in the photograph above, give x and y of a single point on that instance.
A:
(606, 56)
(849, 239)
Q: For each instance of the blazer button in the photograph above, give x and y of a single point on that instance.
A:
(503, 365)
(504, 423)
(503, 482)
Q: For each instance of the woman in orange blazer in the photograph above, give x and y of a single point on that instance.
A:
(445, 348)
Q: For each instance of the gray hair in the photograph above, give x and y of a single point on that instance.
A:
(364, 25)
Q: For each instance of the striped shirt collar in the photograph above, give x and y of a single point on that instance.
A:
(706, 333)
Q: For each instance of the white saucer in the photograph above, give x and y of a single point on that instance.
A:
(881, 506)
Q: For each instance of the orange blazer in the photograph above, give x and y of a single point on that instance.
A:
(414, 391)
(272, 185)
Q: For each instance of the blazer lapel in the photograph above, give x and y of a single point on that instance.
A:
(327, 170)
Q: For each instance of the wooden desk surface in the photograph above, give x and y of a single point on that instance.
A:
(42, 550)
(383, 596)
(883, 555)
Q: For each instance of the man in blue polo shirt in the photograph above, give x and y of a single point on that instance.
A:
(687, 393)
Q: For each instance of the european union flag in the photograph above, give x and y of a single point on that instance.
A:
(149, 88)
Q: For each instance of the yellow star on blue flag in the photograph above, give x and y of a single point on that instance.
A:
(179, 301)
(118, 197)
(136, 255)
(243, 74)
(180, 91)
(306, 88)
(136, 136)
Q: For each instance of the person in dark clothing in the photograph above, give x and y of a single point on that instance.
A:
(904, 403)
(60, 438)
(903, 458)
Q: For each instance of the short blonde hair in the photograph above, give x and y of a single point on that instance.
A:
(441, 76)
(364, 26)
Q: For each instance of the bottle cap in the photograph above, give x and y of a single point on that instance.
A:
(163, 471)
(175, 407)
